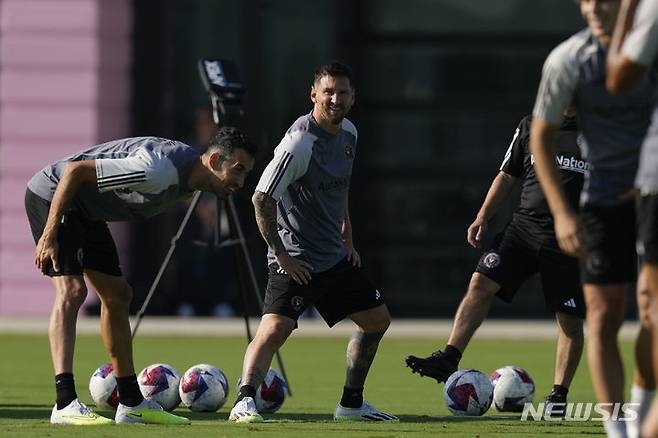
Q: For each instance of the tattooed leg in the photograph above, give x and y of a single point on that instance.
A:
(361, 352)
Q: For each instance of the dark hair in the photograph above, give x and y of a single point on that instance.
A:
(335, 69)
(229, 138)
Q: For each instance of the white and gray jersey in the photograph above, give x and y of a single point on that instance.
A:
(136, 178)
(613, 126)
(309, 177)
(641, 46)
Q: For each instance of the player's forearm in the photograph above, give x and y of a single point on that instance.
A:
(347, 226)
(500, 189)
(265, 208)
(620, 72)
(72, 177)
(541, 146)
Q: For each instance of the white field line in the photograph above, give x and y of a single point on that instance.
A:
(400, 328)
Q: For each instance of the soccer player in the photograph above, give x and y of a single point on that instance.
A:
(633, 51)
(604, 235)
(526, 246)
(68, 204)
(302, 212)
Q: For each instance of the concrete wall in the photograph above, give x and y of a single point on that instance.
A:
(64, 85)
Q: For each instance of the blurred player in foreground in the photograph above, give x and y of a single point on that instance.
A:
(68, 204)
(604, 235)
(301, 205)
(633, 51)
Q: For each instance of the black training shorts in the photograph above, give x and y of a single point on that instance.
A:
(647, 227)
(336, 293)
(82, 244)
(610, 244)
(524, 248)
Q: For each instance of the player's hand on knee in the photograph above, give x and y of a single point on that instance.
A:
(476, 231)
(299, 270)
(46, 254)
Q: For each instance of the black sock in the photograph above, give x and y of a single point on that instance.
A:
(129, 393)
(352, 397)
(65, 388)
(245, 391)
(560, 390)
(453, 353)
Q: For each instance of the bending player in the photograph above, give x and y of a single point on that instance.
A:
(68, 204)
(527, 246)
(302, 212)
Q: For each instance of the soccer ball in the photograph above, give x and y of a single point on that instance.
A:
(271, 393)
(468, 392)
(513, 387)
(203, 388)
(103, 387)
(159, 382)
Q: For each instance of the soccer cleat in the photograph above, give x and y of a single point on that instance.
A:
(78, 414)
(555, 405)
(366, 412)
(245, 411)
(147, 412)
(437, 365)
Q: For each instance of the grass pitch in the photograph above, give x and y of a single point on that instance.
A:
(316, 371)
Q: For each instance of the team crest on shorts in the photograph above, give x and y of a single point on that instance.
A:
(349, 151)
(491, 260)
(80, 255)
(297, 303)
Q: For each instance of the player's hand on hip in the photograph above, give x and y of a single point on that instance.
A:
(476, 231)
(569, 233)
(299, 270)
(46, 253)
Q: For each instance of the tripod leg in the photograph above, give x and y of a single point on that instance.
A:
(236, 231)
(140, 314)
(239, 266)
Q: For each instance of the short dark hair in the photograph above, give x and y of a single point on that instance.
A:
(335, 69)
(229, 138)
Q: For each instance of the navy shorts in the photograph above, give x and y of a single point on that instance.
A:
(82, 243)
(525, 248)
(336, 293)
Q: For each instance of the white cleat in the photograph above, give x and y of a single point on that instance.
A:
(245, 412)
(366, 412)
(78, 414)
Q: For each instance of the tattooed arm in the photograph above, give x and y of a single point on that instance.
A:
(265, 207)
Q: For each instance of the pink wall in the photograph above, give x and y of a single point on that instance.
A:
(64, 85)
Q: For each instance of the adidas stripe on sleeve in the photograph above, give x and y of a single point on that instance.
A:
(144, 171)
(513, 161)
(290, 162)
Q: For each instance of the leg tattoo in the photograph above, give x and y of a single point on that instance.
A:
(361, 352)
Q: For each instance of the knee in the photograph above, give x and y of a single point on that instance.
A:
(378, 325)
(645, 305)
(72, 296)
(119, 298)
(275, 334)
(571, 326)
(481, 288)
(604, 319)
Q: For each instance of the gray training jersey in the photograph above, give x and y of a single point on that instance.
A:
(613, 126)
(309, 177)
(136, 178)
(641, 46)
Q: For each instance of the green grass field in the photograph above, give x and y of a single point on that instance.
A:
(316, 371)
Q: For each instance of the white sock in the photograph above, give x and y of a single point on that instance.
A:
(615, 428)
(644, 398)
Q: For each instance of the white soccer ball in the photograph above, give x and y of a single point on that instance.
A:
(159, 382)
(513, 388)
(468, 392)
(272, 392)
(103, 387)
(203, 388)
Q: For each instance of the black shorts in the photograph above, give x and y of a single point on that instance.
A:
(647, 227)
(336, 293)
(611, 257)
(82, 244)
(525, 248)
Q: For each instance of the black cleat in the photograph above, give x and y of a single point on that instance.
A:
(437, 365)
(555, 405)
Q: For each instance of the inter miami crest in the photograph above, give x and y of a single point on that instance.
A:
(349, 151)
